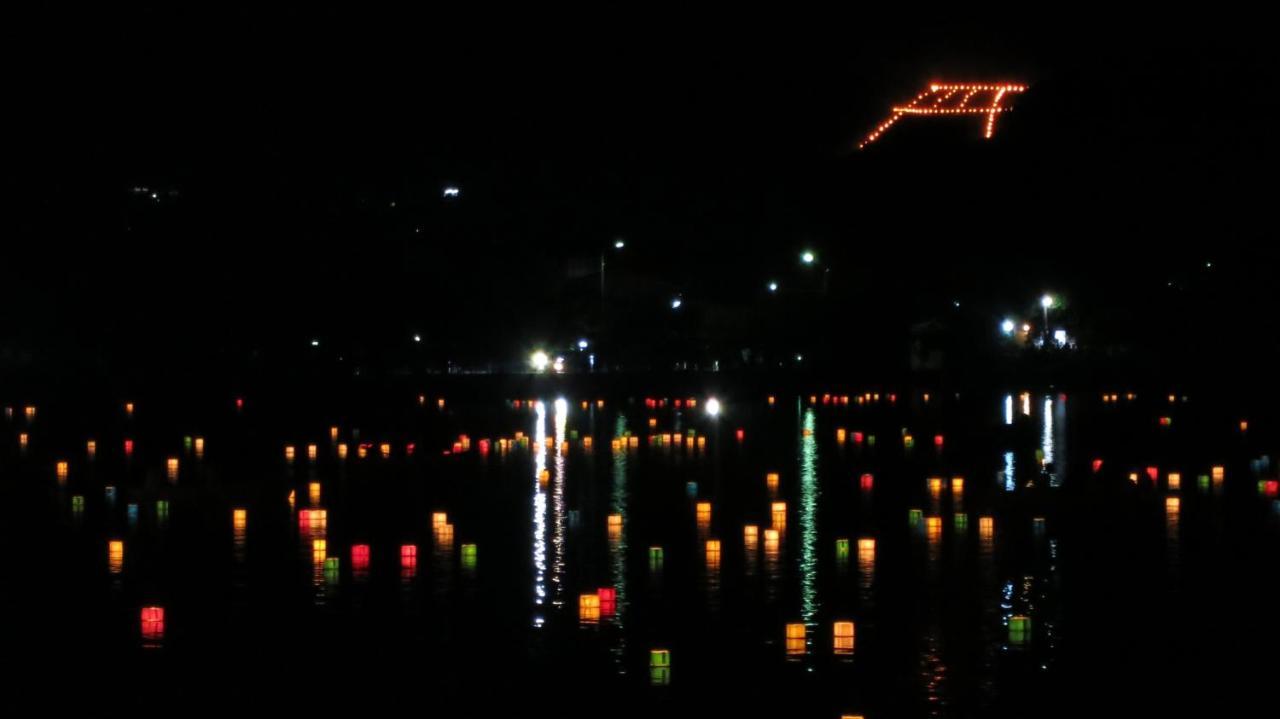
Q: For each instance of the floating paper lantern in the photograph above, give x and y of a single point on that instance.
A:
(772, 399)
(91, 449)
(608, 601)
(171, 468)
(162, 511)
(1153, 473)
(312, 452)
(772, 540)
(152, 619)
(22, 440)
(239, 519)
(1172, 504)
(440, 403)
(332, 570)
(740, 434)
(288, 453)
(866, 481)
(961, 521)
(319, 550)
(843, 638)
(908, 441)
(61, 469)
(866, 551)
(933, 528)
(589, 608)
(1174, 481)
(986, 527)
(128, 408)
(915, 517)
(115, 556)
(1219, 472)
(840, 435)
(778, 513)
(935, 486)
(614, 524)
(468, 556)
(771, 481)
(1166, 421)
(842, 550)
(713, 553)
(199, 447)
(704, 514)
(656, 557)
(313, 493)
(795, 643)
(1097, 466)
(342, 450)
(937, 441)
(385, 449)
(659, 667)
(1019, 630)
(359, 560)
(30, 412)
(408, 557)
(1244, 425)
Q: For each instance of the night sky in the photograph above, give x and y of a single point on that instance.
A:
(299, 162)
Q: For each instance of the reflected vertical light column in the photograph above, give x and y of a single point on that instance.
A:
(539, 511)
(809, 493)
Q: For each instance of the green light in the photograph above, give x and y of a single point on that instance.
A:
(655, 559)
(469, 557)
(842, 549)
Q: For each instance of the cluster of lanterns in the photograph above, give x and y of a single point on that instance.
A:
(952, 99)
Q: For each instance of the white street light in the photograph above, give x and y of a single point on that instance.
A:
(713, 407)
(539, 361)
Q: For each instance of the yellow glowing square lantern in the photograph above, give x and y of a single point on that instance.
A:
(866, 551)
(22, 440)
(333, 433)
(439, 519)
(933, 528)
(750, 535)
(239, 519)
(795, 639)
(313, 493)
(342, 450)
(771, 481)
(288, 453)
(713, 553)
(986, 527)
(840, 435)
(1172, 504)
(1218, 472)
(385, 449)
(115, 556)
(30, 411)
(843, 640)
(633, 442)
(586, 442)
(589, 608)
(1244, 425)
(312, 451)
(702, 442)
(62, 469)
(91, 449)
(128, 408)
(704, 514)
(319, 550)
(171, 468)
(772, 400)
(935, 486)
(1174, 481)
(778, 514)
(200, 447)
(957, 486)
(614, 525)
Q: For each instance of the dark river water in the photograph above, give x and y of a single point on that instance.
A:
(809, 556)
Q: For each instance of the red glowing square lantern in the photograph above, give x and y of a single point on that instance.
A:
(937, 440)
(152, 624)
(359, 557)
(741, 434)
(867, 481)
(1153, 473)
(128, 448)
(408, 556)
(239, 402)
(608, 601)
(857, 438)
(1097, 466)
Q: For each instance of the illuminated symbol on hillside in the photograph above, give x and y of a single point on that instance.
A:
(940, 99)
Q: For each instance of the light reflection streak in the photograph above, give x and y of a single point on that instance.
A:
(618, 545)
(1008, 409)
(558, 507)
(809, 519)
(539, 510)
(1009, 482)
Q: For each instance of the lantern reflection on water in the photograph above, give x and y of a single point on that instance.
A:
(843, 640)
(152, 622)
(795, 644)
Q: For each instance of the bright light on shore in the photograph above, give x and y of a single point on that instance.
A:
(713, 407)
(539, 361)
(1007, 327)
(807, 257)
(1046, 301)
